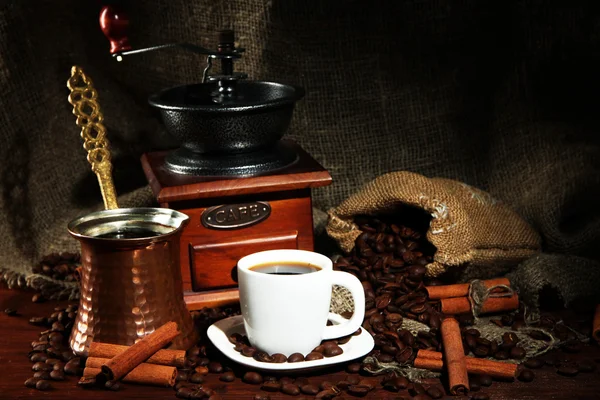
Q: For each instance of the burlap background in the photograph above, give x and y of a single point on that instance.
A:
(501, 96)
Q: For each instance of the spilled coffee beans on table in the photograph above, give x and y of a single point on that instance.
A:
(390, 261)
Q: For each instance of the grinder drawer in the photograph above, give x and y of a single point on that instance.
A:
(213, 264)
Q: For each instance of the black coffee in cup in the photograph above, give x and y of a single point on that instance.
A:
(287, 268)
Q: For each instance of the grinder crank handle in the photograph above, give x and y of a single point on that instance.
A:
(114, 23)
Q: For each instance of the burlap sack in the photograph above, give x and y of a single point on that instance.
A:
(468, 226)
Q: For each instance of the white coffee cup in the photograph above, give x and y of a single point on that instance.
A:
(288, 313)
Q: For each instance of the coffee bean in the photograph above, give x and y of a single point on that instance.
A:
(353, 368)
(279, 358)
(11, 312)
(203, 361)
(474, 385)
(342, 385)
(416, 272)
(567, 370)
(328, 385)
(415, 389)
(422, 396)
(215, 367)
(55, 337)
(344, 340)
(43, 385)
(385, 358)
(38, 298)
(526, 375)
(286, 379)
(253, 378)
(485, 380)
(42, 375)
(271, 386)
(404, 355)
(435, 392)
(67, 355)
(184, 393)
(586, 366)
(30, 383)
(234, 338)
(41, 366)
(383, 301)
(194, 351)
(309, 389)
(353, 380)
(57, 375)
(290, 389)
(333, 351)
(201, 370)
(480, 396)
(435, 322)
(248, 351)
(314, 356)
(262, 356)
(296, 357)
(112, 385)
(261, 396)
(517, 353)
(533, 363)
(481, 351)
(394, 318)
(38, 357)
(358, 390)
(181, 376)
(501, 355)
(197, 378)
(228, 376)
(38, 321)
(327, 394)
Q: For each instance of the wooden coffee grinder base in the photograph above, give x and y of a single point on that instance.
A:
(233, 217)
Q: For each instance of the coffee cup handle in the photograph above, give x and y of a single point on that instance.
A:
(351, 283)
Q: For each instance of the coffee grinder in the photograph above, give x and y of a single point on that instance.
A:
(244, 188)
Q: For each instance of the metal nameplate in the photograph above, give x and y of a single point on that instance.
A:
(235, 216)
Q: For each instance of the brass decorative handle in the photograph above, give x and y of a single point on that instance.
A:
(83, 98)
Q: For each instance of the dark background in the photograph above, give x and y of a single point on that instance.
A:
(502, 95)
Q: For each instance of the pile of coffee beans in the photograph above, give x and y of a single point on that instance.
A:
(59, 266)
(51, 355)
(329, 348)
(389, 259)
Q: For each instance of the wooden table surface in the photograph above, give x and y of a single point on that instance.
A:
(16, 334)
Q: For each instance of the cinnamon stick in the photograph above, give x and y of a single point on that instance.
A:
(432, 360)
(143, 374)
(174, 358)
(456, 365)
(123, 363)
(596, 326)
(461, 289)
(462, 305)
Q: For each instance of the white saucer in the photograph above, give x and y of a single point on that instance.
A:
(219, 333)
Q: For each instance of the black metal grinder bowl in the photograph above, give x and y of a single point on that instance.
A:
(226, 126)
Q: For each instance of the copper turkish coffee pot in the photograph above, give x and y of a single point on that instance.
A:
(130, 279)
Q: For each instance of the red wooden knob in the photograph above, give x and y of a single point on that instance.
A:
(114, 23)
